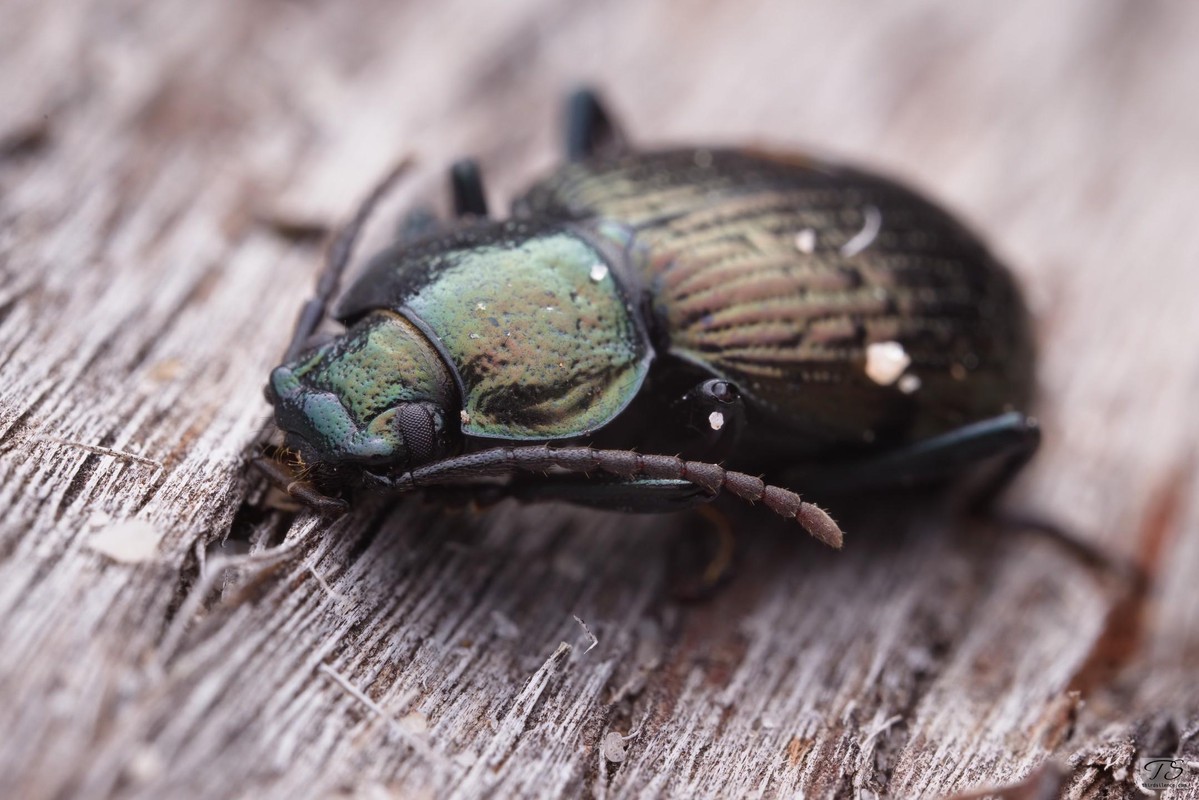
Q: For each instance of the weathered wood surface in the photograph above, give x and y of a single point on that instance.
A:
(404, 652)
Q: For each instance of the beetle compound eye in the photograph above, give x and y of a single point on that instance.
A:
(419, 425)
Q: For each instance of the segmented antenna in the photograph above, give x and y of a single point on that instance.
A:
(626, 464)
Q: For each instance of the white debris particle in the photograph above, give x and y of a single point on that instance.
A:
(481, 306)
(415, 722)
(613, 747)
(716, 420)
(909, 383)
(599, 272)
(590, 635)
(464, 417)
(885, 362)
(505, 628)
(130, 541)
(805, 241)
(145, 765)
(872, 222)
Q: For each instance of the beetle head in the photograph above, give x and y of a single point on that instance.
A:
(372, 400)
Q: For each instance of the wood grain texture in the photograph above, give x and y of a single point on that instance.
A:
(158, 638)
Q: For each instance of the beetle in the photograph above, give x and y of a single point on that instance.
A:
(643, 315)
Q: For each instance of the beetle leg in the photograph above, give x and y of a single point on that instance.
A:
(589, 127)
(637, 496)
(466, 184)
(303, 491)
(718, 550)
(1006, 442)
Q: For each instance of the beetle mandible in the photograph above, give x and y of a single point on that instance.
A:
(774, 313)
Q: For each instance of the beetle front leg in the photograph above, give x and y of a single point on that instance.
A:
(636, 496)
(303, 491)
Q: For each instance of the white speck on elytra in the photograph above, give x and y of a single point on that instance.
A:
(909, 383)
(805, 241)
(599, 272)
(464, 417)
(885, 362)
(872, 223)
(475, 336)
(716, 420)
(481, 306)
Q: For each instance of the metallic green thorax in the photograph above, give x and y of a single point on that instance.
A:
(530, 318)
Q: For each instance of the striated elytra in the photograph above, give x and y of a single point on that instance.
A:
(649, 327)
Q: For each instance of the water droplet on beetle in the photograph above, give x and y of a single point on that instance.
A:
(805, 241)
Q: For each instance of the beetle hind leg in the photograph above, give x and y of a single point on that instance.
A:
(999, 446)
(589, 128)
(466, 186)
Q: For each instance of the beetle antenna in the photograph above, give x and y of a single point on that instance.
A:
(340, 250)
(626, 464)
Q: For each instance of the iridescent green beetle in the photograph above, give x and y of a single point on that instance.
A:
(776, 314)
